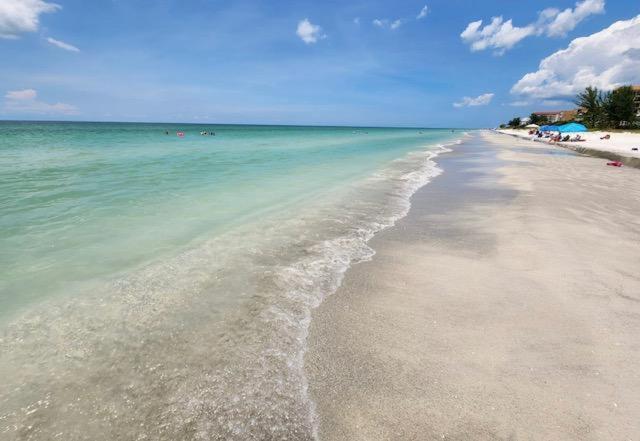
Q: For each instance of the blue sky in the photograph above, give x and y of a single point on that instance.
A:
(351, 62)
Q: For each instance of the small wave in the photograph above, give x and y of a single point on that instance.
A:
(208, 345)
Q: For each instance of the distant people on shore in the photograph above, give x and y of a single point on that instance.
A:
(202, 133)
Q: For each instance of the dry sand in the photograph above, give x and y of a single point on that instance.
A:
(505, 306)
(620, 143)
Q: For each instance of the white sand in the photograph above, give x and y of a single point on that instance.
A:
(620, 143)
(505, 306)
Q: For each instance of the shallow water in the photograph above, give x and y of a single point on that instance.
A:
(157, 287)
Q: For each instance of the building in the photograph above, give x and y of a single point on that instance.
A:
(559, 115)
(636, 100)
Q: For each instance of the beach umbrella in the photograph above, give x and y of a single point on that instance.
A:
(572, 127)
(532, 126)
(549, 128)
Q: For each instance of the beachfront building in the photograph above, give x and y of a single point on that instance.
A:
(558, 115)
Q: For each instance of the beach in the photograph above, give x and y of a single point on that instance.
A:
(308, 283)
(618, 146)
(506, 305)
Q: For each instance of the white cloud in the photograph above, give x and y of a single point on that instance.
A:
(62, 45)
(308, 32)
(423, 13)
(499, 35)
(606, 59)
(567, 20)
(26, 102)
(20, 16)
(502, 35)
(396, 24)
(381, 23)
(19, 95)
(385, 23)
(481, 100)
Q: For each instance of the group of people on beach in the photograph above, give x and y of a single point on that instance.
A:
(557, 137)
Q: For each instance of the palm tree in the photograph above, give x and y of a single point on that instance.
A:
(620, 108)
(591, 102)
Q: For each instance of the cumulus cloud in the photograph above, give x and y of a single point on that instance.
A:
(26, 102)
(607, 59)
(63, 45)
(567, 20)
(502, 35)
(20, 16)
(308, 32)
(423, 12)
(499, 35)
(481, 100)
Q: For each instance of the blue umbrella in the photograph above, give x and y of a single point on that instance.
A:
(572, 127)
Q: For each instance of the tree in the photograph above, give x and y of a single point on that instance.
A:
(591, 101)
(515, 122)
(619, 107)
(538, 119)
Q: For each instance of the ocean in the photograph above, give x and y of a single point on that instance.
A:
(156, 286)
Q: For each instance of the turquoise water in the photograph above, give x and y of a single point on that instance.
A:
(166, 278)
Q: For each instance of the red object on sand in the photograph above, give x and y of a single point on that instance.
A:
(615, 163)
(180, 134)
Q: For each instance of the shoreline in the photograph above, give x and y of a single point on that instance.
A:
(591, 147)
(155, 324)
(533, 339)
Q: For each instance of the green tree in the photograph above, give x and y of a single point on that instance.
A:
(591, 101)
(537, 119)
(619, 107)
(515, 122)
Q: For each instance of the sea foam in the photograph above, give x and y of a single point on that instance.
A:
(207, 345)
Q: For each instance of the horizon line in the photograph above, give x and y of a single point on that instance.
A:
(236, 124)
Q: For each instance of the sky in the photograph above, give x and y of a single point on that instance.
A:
(433, 63)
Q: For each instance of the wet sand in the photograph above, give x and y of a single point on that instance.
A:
(506, 305)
